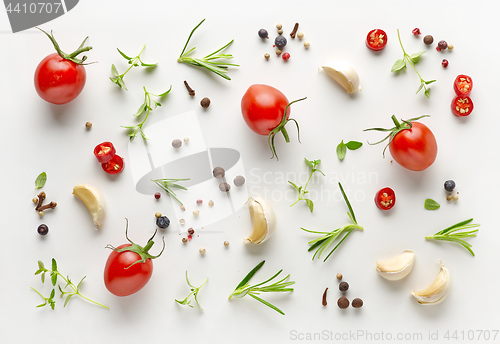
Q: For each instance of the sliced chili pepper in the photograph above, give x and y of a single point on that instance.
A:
(114, 166)
(104, 152)
(376, 39)
(462, 106)
(463, 85)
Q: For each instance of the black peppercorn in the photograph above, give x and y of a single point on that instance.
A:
(163, 222)
(219, 172)
(428, 39)
(343, 286)
(224, 187)
(43, 229)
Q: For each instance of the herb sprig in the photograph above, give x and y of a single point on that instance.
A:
(134, 62)
(144, 108)
(451, 234)
(54, 274)
(302, 190)
(168, 183)
(323, 243)
(194, 291)
(209, 62)
(244, 287)
(411, 60)
(40, 180)
(342, 148)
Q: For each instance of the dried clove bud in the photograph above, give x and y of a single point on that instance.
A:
(51, 205)
(41, 198)
(294, 31)
(190, 90)
(324, 297)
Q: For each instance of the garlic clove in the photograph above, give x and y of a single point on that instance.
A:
(398, 267)
(437, 291)
(263, 221)
(94, 200)
(344, 74)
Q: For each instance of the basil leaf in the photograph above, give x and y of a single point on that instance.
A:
(353, 145)
(414, 57)
(341, 150)
(398, 65)
(310, 204)
(40, 180)
(431, 204)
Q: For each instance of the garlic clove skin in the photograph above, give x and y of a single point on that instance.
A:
(437, 291)
(398, 267)
(263, 221)
(94, 200)
(344, 74)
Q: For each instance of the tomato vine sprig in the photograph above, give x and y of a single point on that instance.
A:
(395, 130)
(450, 234)
(134, 62)
(194, 291)
(73, 56)
(411, 60)
(244, 287)
(323, 243)
(281, 128)
(208, 62)
(143, 252)
(145, 108)
(302, 190)
(54, 274)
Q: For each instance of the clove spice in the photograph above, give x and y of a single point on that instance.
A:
(190, 90)
(40, 207)
(294, 31)
(324, 297)
(41, 198)
(51, 205)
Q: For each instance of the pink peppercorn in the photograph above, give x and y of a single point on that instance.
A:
(157, 195)
(444, 63)
(416, 31)
(438, 48)
(285, 56)
(199, 201)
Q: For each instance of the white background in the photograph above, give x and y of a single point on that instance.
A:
(38, 136)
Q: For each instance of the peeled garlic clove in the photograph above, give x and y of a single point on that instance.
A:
(437, 291)
(398, 267)
(94, 200)
(263, 221)
(344, 74)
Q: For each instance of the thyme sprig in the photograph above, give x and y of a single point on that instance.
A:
(244, 287)
(54, 274)
(451, 234)
(168, 183)
(412, 60)
(302, 190)
(210, 61)
(133, 62)
(323, 243)
(194, 291)
(145, 108)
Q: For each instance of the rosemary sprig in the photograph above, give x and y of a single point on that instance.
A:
(134, 62)
(450, 234)
(302, 190)
(323, 243)
(412, 60)
(244, 287)
(209, 62)
(194, 291)
(167, 184)
(54, 274)
(145, 107)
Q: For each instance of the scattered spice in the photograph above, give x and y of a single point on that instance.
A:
(449, 185)
(343, 302)
(43, 229)
(186, 139)
(438, 48)
(343, 286)
(280, 42)
(442, 45)
(205, 102)
(41, 197)
(199, 201)
(183, 208)
(449, 197)
(300, 35)
(35, 200)
(324, 297)
(157, 195)
(267, 56)
(455, 197)
(263, 33)
(191, 231)
(219, 172)
(279, 26)
(339, 276)
(51, 205)
(158, 215)
(226, 243)
(184, 239)
(450, 46)
(211, 203)
(176, 143)
(294, 31)
(196, 212)
(88, 125)
(190, 90)
(416, 31)
(278, 52)
(280, 32)
(202, 250)
(428, 39)
(239, 181)
(182, 221)
(357, 303)
(307, 44)
(285, 56)
(224, 187)
(40, 213)
(444, 63)
(190, 237)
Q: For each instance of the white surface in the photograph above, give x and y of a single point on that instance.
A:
(38, 137)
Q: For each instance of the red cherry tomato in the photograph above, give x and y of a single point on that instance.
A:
(59, 81)
(263, 107)
(376, 39)
(104, 152)
(462, 85)
(122, 279)
(415, 148)
(462, 106)
(385, 199)
(114, 166)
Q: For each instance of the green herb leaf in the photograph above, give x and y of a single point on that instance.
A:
(310, 204)
(114, 71)
(353, 145)
(247, 278)
(309, 163)
(431, 204)
(40, 180)
(194, 291)
(419, 88)
(123, 54)
(398, 65)
(427, 93)
(295, 186)
(452, 234)
(429, 82)
(341, 150)
(302, 189)
(415, 57)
